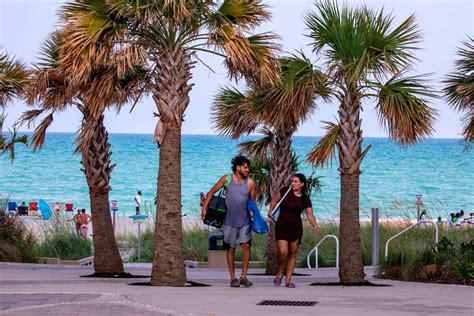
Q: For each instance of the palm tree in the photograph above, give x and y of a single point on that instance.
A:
(13, 77)
(172, 32)
(107, 86)
(366, 56)
(459, 88)
(277, 110)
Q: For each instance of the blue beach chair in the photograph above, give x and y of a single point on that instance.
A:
(12, 208)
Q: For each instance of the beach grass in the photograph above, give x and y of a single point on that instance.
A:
(54, 238)
(407, 254)
(17, 244)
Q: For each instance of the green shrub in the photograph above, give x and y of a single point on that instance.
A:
(17, 244)
(61, 241)
(453, 259)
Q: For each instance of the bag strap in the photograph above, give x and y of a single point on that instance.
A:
(227, 180)
(279, 202)
(226, 185)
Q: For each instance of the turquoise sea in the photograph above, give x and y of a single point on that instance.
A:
(391, 177)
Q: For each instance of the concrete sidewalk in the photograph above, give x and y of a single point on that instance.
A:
(28, 289)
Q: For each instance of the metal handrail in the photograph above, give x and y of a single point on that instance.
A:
(315, 249)
(410, 227)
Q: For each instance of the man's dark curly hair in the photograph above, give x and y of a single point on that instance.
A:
(239, 160)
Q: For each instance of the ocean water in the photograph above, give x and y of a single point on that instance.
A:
(391, 176)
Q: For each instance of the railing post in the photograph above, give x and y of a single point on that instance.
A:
(375, 237)
(316, 253)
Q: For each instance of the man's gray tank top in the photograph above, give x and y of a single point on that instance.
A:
(236, 202)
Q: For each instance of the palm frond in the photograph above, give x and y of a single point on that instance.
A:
(258, 149)
(90, 30)
(39, 134)
(291, 101)
(30, 116)
(403, 111)
(253, 57)
(313, 184)
(7, 144)
(459, 87)
(13, 78)
(362, 40)
(245, 15)
(324, 153)
(260, 172)
(231, 113)
(468, 129)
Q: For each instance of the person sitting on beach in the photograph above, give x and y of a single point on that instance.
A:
(23, 209)
(470, 220)
(454, 218)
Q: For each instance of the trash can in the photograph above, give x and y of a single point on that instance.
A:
(216, 256)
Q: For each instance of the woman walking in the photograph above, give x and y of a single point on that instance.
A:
(289, 226)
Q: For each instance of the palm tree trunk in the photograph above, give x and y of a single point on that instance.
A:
(107, 258)
(97, 168)
(280, 174)
(171, 97)
(168, 261)
(351, 269)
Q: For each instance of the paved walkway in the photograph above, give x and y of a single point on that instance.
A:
(28, 289)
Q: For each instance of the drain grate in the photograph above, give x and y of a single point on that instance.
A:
(287, 303)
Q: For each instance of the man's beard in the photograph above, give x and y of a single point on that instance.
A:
(242, 175)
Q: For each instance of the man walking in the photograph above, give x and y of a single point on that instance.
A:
(237, 223)
(83, 221)
(76, 220)
(138, 202)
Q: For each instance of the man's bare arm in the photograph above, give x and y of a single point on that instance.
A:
(209, 194)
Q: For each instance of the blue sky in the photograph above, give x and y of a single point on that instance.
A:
(24, 24)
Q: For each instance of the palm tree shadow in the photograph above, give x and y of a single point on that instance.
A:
(366, 283)
(189, 284)
(123, 275)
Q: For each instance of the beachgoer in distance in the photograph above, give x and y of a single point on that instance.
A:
(23, 209)
(138, 202)
(237, 222)
(453, 218)
(84, 219)
(76, 220)
(422, 216)
(459, 219)
(470, 220)
(289, 226)
(439, 222)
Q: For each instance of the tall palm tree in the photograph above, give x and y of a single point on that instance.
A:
(366, 55)
(172, 32)
(107, 86)
(13, 78)
(459, 88)
(277, 110)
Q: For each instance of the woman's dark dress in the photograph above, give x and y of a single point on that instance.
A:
(289, 225)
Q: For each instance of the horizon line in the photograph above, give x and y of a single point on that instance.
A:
(218, 135)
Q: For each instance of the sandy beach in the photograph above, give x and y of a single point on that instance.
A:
(125, 226)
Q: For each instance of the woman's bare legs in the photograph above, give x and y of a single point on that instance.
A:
(293, 250)
(282, 246)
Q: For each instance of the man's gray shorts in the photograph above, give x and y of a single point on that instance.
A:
(234, 236)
